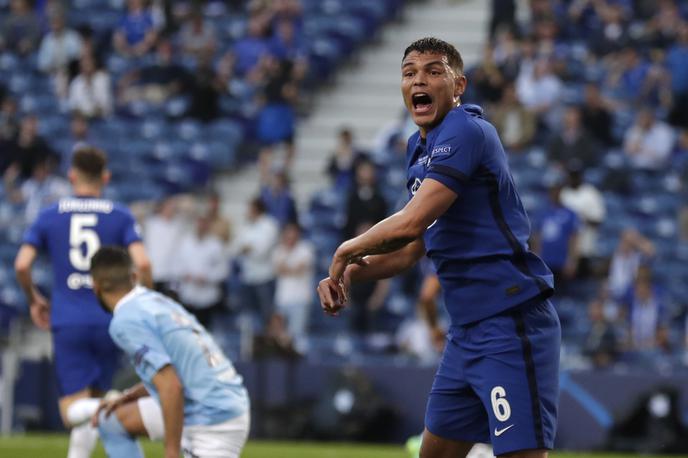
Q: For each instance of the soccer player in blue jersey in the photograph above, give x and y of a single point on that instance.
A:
(70, 232)
(498, 378)
(203, 405)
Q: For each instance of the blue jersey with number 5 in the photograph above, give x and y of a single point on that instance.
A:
(155, 331)
(70, 232)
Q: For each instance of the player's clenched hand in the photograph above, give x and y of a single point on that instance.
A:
(40, 311)
(332, 296)
(109, 406)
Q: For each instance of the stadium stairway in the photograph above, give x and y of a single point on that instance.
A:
(365, 96)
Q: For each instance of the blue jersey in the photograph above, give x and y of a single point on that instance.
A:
(479, 245)
(155, 331)
(70, 232)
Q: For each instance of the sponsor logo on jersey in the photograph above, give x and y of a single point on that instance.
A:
(441, 150)
(78, 281)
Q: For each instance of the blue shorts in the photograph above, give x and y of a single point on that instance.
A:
(85, 357)
(498, 381)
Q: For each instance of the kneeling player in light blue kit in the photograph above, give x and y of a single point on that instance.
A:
(191, 394)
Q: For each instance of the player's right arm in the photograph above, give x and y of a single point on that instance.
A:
(142, 263)
(376, 267)
(38, 305)
(171, 395)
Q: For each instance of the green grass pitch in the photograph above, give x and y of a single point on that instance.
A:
(49, 446)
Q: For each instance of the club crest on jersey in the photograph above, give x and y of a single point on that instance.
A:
(441, 150)
(415, 186)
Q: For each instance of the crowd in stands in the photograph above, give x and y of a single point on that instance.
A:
(588, 96)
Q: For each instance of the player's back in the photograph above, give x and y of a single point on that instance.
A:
(213, 390)
(70, 232)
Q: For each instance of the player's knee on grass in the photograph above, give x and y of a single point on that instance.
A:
(117, 441)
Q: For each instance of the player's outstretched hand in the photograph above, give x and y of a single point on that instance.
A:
(40, 312)
(332, 296)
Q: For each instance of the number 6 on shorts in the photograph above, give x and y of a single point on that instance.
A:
(500, 406)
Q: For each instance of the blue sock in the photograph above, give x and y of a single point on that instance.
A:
(117, 441)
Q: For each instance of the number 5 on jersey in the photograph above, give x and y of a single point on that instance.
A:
(82, 232)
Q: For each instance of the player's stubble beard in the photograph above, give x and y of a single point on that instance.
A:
(101, 302)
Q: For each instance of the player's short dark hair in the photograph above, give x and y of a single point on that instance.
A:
(437, 46)
(91, 162)
(258, 205)
(111, 268)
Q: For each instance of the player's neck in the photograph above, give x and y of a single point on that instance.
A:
(87, 190)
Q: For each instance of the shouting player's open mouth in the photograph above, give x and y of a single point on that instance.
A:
(422, 103)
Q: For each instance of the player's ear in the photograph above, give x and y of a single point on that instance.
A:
(106, 177)
(71, 175)
(459, 85)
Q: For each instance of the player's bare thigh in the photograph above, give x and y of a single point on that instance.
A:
(66, 401)
(434, 446)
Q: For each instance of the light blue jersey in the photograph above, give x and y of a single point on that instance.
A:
(155, 331)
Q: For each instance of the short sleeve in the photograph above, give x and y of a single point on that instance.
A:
(35, 235)
(132, 230)
(456, 154)
(142, 344)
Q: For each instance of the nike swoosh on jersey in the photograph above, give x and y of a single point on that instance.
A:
(499, 432)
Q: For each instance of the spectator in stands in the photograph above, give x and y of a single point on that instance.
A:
(487, 78)
(162, 231)
(42, 189)
(422, 336)
(205, 91)
(294, 261)
(9, 120)
(29, 149)
(612, 34)
(365, 205)
(219, 225)
(90, 93)
(277, 116)
(633, 251)
(79, 130)
(202, 266)
(556, 238)
(503, 16)
(677, 66)
(157, 82)
(20, 32)
(602, 344)
(136, 33)
(540, 89)
(515, 124)
(254, 246)
(588, 203)
(572, 141)
(59, 47)
(649, 142)
(285, 44)
(197, 36)
(663, 28)
(646, 311)
(277, 198)
(596, 116)
(627, 76)
(249, 49)
(346, 155)
(275, 341)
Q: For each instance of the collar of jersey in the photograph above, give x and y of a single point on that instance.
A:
(137, 291)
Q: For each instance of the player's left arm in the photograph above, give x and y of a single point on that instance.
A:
(171, 395)
(142, 263)
(395, 232)
(38, 305)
